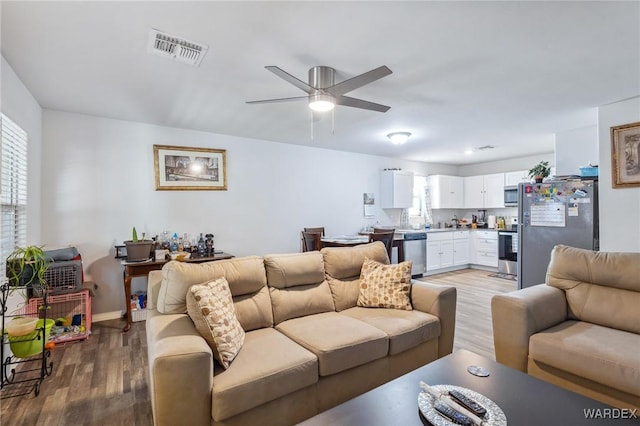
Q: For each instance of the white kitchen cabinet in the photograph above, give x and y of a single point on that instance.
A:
(474, 192)
(484, 192)
(446, 191)
(440, 251)
(514, 178)
(396, 190)
(461, 248)
(484, 248)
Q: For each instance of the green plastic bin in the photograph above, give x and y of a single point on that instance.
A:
(30, 345)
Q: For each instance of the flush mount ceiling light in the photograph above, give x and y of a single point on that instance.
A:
(321, 103)
(398, 138)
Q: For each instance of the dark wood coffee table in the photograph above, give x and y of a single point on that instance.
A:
(525, 400)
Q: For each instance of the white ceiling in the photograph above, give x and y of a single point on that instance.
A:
(465, 74)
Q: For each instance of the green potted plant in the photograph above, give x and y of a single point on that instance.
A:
(540, 171)
(26, 267)
(138, 250)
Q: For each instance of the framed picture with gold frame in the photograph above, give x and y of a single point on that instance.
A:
(187, 168)
(625, 155)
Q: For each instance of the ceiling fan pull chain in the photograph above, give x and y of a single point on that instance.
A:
(333, 121)
(311, 112)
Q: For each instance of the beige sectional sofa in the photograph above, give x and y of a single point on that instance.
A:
(307, 346)
(580, 330)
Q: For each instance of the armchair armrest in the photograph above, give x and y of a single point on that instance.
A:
(438, 300)
(518, 315)
(180, 371)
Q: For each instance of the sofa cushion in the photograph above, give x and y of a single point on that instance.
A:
(294, 269)
(385, 286)
(344, 292)
(601, 288)
(301, 301)
(297, 285)
(269, 366)
(604, 355)
(245, 275)
(340, 342)
(254, 309)
(211, 308)
(406, 329)
(346, 262)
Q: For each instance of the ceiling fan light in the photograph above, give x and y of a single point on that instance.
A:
(398, 138)
(321, 103)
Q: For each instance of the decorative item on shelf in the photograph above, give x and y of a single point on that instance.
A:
(201, 246)
(138, 250)
(26, 267)
(209, 244)
(540, 171)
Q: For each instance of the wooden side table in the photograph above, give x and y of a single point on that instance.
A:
(142, 269)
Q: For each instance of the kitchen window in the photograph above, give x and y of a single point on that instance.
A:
(421, 200)
(13, 188)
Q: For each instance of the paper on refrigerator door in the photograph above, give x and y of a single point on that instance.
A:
(548, 214)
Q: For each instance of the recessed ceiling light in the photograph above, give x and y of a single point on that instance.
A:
(398, 138)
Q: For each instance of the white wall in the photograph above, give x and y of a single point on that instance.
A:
(620, 207)
(576, 148)
(19, 105)
(510, 165)
(98, 182)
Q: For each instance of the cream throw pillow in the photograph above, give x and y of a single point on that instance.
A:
(385, 286)
(211, 308)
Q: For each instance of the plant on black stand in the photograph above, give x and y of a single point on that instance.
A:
(26, 267)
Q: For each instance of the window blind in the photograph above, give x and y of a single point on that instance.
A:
(13, 190)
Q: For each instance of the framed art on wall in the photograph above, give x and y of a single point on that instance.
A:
(625, 155)
(186, 168)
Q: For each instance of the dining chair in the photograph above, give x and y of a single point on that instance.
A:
(385, 237)
(382, 230)
(319, 230)
(311, 241)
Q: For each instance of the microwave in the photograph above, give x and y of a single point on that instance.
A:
(511, 196)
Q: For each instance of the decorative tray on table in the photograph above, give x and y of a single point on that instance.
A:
(494, 416)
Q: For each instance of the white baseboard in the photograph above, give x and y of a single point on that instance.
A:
(105, 316)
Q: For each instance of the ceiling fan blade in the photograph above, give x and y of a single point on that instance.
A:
(291, 79)
(359, 103)
(358, 81)
(268, 101)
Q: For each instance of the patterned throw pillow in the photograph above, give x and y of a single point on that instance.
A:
(211, 308)
(385, 286)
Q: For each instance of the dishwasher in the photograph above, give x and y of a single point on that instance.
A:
(415, 249)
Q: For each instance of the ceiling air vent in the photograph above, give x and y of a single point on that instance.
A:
(482, 148)
(176, 48)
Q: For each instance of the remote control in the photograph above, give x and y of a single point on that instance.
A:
(451, 414)
(468, 403)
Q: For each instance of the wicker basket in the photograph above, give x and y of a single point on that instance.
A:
(138, 315)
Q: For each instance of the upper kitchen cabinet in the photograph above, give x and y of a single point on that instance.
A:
(446, 191)
(484, 192)
(514, 178)
(396, 190)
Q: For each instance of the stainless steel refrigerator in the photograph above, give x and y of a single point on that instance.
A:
(552, 213)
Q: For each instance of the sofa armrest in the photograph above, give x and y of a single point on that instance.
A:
(518, 315)
(154, 281)
(438, 300)
(180, 370)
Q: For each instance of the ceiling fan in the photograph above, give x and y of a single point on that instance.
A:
(324, 94)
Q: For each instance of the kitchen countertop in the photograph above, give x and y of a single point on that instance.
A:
(461, 229)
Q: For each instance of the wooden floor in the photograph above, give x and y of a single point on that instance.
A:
(99, 381)
(103, 381)
(474, 331)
